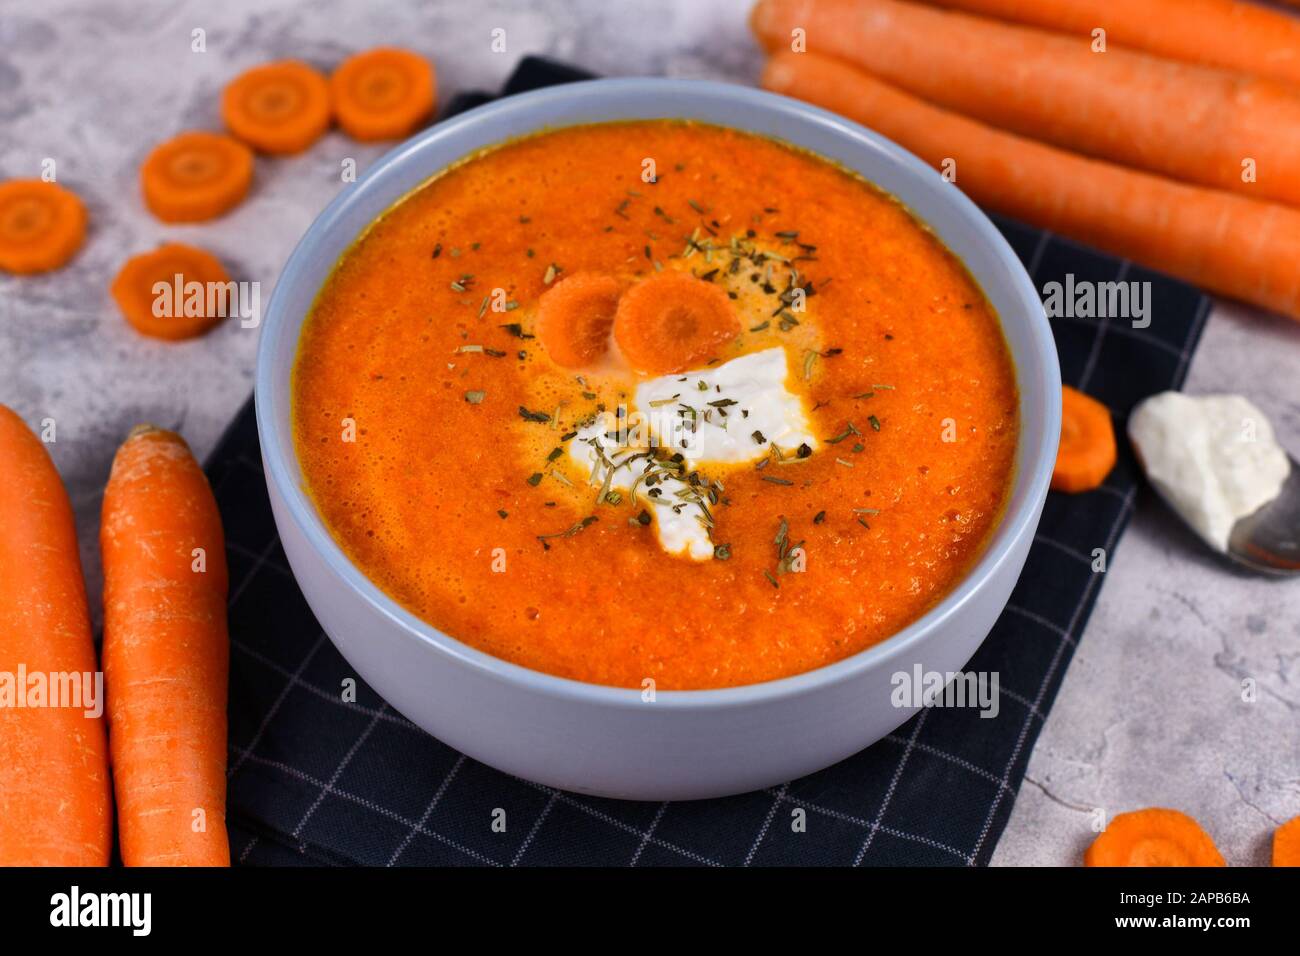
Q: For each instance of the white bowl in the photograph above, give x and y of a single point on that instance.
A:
(605, 740)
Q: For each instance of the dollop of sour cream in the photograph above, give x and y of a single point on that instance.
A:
(731, 414)
(1214, 458)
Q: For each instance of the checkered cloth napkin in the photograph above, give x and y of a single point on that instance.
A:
(316, 780)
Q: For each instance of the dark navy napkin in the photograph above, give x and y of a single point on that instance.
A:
(315, 779)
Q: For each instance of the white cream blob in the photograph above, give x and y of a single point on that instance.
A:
(729, 413)
(1212, 457)
(725, 415)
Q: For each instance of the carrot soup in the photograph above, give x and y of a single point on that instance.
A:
(656, 401)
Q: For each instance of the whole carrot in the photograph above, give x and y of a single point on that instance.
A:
(1223, 33)
(55, 801)
(1193, 123)
(166, 653)
(1239, 247)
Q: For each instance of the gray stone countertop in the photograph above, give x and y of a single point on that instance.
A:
(1151, 710)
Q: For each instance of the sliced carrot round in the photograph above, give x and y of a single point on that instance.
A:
(1286, 843)
(1087, 450)
(41, 225)
(1153, 837)
(157, 292)
(279, 107)
(385, 93)
(672, 321)
(574, 318)
(196, 176)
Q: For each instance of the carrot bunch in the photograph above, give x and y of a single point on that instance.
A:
(1166, 131)
(166, 654)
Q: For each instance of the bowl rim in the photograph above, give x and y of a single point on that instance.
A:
(1017, 520)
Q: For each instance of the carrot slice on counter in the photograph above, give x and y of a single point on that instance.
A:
(196, 176)
(1153, 837)
(1286, 843)
(42, 225)
(574, 318)
(55, 796)
(385, 93)
(1087, 450)
(1232, 245)
(161, 312)
(278, 108)
(166, 653)
(672, 321)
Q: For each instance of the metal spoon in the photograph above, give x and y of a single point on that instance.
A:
(1268, 540)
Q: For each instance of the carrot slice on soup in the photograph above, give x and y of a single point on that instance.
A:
(1087, 451)
(196, 176)
(279, 108)
(672, 321)
(1153, 837)
(41, 225)
(146, 290)
(574, 318)
(383, 93)
(1286, 843)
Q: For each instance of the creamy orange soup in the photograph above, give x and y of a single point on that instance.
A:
(456, 461)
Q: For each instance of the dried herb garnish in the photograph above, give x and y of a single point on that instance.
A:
(721, 552)
(758, 437)
(535, 479)
(776, 481)
(850, 429)
(568, 532)
(503, 513)
(475, 398)
(875, 422)
(515, 329)
(819, 517)
(529, 416)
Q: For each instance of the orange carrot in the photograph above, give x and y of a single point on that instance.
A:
(145, 289)
(1235, 246)
(1153, 837)
(55, 801)
(1087, 450)
(672, 321)
(384, 93)
(42, 225)
(1193, 123)
(166, 653)
(574, 318)
(1286, 843)
(1222, 33)
(196, 176)
(278, 108)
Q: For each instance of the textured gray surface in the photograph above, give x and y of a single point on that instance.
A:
(1151, 709)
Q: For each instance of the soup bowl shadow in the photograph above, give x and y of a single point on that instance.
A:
(631, 743)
